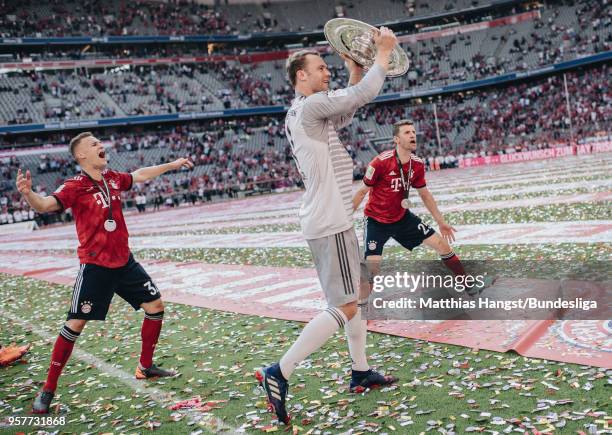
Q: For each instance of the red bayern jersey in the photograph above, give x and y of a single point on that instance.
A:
(387, 192)
(90, 209)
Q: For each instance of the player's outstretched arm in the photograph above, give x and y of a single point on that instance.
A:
(328, 105)
(150, 172)
(447, 231)
(355, 76)
(42, 204)
(359, 195)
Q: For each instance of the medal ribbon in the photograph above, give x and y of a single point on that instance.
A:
(405, 180)
(105, 193)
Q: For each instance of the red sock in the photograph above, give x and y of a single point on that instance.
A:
(59, 357)
(453, 263)
(151, 327)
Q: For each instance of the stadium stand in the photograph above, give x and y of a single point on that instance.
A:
(250, 155)
(75, 18)
(563, 32)
(235, 159)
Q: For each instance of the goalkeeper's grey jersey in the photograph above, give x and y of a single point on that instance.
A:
(325, 165)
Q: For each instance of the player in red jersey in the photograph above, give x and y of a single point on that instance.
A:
(388, 179)
(107, 266)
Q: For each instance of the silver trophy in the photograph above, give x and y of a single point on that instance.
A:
(355, 39)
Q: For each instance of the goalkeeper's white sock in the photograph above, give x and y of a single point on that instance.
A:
(356, 333)
(313, 336)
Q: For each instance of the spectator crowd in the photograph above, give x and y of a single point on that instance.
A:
(241, 157)
(250, 155)
(184, 17)
(564, 31)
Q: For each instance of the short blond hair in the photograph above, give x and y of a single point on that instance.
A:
(297, 61)
(77, 139)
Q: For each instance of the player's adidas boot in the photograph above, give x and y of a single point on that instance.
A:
(42, 403)
(276, 387)
(153, 372)
(361, 381)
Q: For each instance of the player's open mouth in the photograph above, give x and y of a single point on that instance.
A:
(102, 154)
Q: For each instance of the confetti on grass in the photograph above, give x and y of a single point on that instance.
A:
(300, 257)
(441, 388)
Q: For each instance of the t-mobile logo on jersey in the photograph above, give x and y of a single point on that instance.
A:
(101, 199)
(396, 183)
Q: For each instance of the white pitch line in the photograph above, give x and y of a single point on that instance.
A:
(162, 398)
